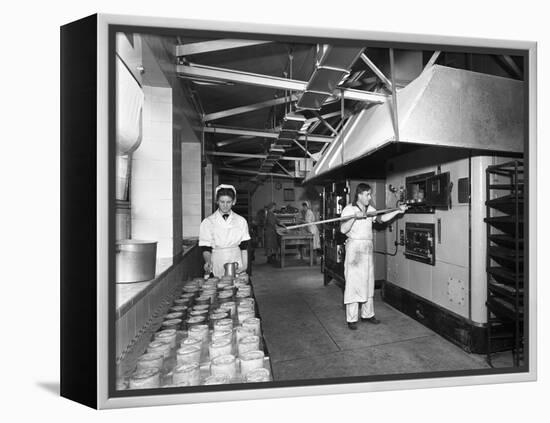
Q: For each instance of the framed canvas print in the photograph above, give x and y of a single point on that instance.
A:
(411, 156)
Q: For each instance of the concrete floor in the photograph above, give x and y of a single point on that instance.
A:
(307, 337)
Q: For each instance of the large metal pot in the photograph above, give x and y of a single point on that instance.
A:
(135, 260)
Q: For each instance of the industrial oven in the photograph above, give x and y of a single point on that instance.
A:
(439, 274)
(430, 262)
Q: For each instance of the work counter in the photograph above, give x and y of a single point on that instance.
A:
(298, 238)
(127, 294)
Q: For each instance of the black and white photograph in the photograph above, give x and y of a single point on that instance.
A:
(275, 211)
(308, 210)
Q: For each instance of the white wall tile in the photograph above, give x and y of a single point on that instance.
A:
(147, 109)
(161, 112)
(152, 229)
(151, 169)
(162, 94)
(122, 334)
(156, 209)
(160, 132)
(150, 190)
(192, 197)
(191, 224)
(165, 247)
(147, 90)
(191, 183)
(191, 209)
(151, 150)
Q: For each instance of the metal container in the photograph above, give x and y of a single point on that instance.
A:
(231, 268)
(135, 260)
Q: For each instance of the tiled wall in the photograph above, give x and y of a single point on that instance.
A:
(137, 319)
(177, 196)
(191, 188)
(151, 187)
(208, 189)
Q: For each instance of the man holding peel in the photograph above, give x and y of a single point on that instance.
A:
(359, 261)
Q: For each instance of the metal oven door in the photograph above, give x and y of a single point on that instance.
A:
(419, 242)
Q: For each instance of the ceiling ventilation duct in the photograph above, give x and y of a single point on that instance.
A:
(332, 69)
(443, 107)
(292, 123)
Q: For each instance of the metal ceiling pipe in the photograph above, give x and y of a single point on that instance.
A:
(253, 172)
(262, 134)
(213, 73)
(248, 108)
(214, 45)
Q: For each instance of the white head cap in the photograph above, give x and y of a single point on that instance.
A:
(231, 187)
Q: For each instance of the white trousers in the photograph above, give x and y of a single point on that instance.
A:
(367, 310)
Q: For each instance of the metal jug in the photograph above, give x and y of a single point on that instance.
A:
(230, 268)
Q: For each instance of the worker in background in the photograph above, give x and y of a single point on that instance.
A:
(270, 233)
(260, 224)
(223, 236)
(309, 217)
(359, 261)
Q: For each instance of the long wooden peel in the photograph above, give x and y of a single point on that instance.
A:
(336, 219)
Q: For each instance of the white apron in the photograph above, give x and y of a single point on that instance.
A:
(220, 256)
(359, 271)
(359, 260)
(224, 236)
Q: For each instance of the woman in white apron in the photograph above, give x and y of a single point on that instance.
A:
(359, 261)
(223, 236)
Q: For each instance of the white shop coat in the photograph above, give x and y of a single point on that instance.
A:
(308, 218)
(224, 236)
(359, 261)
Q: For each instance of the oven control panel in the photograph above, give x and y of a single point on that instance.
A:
(420, 242)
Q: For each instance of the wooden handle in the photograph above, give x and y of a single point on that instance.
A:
(336, 219)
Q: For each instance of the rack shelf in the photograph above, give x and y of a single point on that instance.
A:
(505, 258)
(504, 274)
(507, 204)
(506, 240)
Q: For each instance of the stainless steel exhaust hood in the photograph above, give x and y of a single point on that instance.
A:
(443, 107)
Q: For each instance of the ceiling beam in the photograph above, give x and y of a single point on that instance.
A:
(432, 60)
(250, 156)
(322, 119)
(376, 71)
(231, 141)
(214, 45)
(240, 131)
(512, 66)
(325, 116)
(262, 134)
(254, 172)
(236, 159)
(303, 148)
(248, 108)
(213, 73)
(284, 169)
